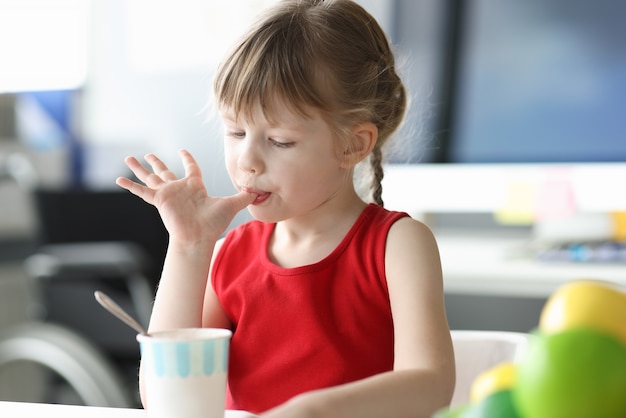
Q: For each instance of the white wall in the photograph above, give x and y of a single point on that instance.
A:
(159, 111)
(129, 109)
(162, 110)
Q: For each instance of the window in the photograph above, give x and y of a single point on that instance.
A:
(43, 44)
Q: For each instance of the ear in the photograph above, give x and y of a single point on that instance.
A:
(362, 141)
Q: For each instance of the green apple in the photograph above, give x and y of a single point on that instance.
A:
(576, 373)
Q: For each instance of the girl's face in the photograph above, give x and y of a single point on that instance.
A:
(292, 164)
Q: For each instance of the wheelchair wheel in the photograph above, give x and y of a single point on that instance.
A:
(69, 358)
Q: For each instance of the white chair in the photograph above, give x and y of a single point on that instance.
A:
(477, 351)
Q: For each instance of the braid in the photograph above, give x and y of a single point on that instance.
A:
(376, 164)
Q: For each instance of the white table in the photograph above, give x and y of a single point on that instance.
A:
(23, 409)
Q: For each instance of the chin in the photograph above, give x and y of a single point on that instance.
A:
(264, 214)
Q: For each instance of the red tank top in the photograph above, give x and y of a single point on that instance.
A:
(309, 327)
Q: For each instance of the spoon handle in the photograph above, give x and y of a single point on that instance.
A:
(110, 305)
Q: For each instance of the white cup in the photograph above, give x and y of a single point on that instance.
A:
(184, 372)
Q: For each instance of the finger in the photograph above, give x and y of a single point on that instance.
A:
(141, 172)
(137, 189)
(189, 163)
(241, 200)
(160, 168)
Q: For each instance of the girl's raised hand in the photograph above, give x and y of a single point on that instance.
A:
(189, 214)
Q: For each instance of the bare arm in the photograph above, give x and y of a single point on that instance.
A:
(194, 221)
(423, 377)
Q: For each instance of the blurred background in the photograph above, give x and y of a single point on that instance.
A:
(84, 83)
(513, 151)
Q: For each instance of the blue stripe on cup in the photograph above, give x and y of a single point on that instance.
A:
(158, 356)
(175, 358)
(183, 363)
(208, 358)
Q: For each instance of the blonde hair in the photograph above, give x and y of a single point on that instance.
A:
(330, 55)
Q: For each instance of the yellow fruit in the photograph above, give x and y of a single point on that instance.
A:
(497, 378)
(591, 304)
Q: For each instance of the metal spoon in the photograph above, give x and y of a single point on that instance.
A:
(117, 310)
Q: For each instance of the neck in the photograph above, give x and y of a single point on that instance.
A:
(303, 241)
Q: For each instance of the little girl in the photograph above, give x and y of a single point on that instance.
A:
(336, 305)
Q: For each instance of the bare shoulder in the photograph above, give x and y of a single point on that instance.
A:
(412, 261)
(409, 239)
(410, 226)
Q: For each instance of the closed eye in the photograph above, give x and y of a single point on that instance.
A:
(279, 144)
(236, 134)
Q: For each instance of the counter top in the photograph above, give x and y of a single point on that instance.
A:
(504, 265)
(24, 409)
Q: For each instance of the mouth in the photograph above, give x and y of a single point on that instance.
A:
(261, 196)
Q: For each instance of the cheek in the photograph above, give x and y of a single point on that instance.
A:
(309, 175)
(230, 158)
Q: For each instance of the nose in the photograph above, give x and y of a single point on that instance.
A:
(250, 158)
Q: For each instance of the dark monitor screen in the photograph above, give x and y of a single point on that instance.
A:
(540, 81)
